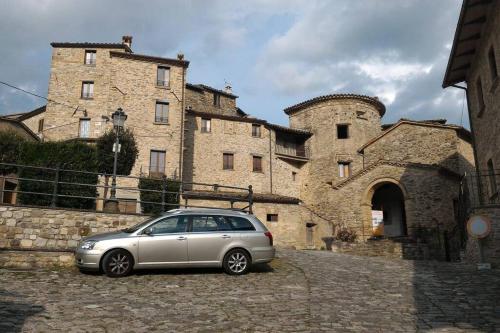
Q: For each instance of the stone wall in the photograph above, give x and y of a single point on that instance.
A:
(203, 100)
(55, 229)
(490, 244)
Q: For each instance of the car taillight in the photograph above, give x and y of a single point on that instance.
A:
(270, 236)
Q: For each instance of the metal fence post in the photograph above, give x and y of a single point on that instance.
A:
(163, 189)
(250, 199)
(55, 187)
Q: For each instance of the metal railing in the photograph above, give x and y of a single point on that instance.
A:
(57, 187)
(301, 152)
(481, 188)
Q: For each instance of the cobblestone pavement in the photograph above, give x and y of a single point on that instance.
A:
(302, 291)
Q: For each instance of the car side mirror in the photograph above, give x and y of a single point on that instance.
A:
(148, 231)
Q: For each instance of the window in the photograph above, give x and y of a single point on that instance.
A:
(257, 163)
(209, 223)
(87, 89)
(272, 218)
(228, 161)
(84, 131)
(161, 112)
(239, 223)
(216, 99)
(40, 125)
(256, 130)
(169, 225)
(157, 163)
(480, 96)
(294, 176)
(342, 131)
(344, 169)
(163, 76)
(90, 56)
(206, 125)
(493, 64)
(492, 176)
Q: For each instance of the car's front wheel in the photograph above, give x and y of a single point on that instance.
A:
(117, 263)
(236, 262)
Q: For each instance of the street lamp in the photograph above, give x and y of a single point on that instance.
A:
(119, 118)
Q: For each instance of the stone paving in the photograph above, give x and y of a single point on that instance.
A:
(301, 291)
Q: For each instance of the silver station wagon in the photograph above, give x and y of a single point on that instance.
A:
(233, 240)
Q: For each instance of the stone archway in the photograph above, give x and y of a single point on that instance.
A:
(388, 197)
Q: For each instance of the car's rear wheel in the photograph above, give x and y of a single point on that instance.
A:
(236, 262)
(117, 263)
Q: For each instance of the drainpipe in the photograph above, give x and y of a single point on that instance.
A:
(476, 161)
(181, 146)
(270, 160)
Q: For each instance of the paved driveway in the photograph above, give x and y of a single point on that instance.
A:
(300, 291)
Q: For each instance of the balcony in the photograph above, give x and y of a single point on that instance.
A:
(297, 152)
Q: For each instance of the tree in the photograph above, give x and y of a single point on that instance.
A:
(126, 157)
(10, 148)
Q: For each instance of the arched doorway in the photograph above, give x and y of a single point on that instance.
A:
(388, 203)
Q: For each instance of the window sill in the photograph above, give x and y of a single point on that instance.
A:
(260, 172)
(90, 65)
(256, 137)
(87, 98)
(163, 87)
(160, 123)
(205, 132)
(227, 169)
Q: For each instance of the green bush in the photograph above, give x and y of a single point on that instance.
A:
(69, 155)
(172, 199)
(10, 147)
(126, 157)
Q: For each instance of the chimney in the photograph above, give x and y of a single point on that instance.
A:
(127, 40)
(228, 88)
(180, 56)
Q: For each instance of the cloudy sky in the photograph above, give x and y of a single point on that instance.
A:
(275, 53)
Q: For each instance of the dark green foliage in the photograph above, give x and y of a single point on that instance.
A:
(126, 156)
(65, 155)
(10, 148)
(172, 199)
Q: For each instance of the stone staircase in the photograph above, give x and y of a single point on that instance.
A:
(400, 248)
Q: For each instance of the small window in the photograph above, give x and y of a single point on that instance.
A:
(239, 223)
(256, 130)
(84, 131)
(344, 169)
(493, 64)
(480, 96)
(206, 125)
(169, 225)
(257, 163)
(87, 89)
(157, 163)
(163, 76)
(161, 112)
(342, 131)
(216, 99)
(40, 125)
(492, 176)
(272, 218)
(228, 161)
(90, 56)
(294, 176)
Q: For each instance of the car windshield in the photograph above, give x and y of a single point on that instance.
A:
(139, 225)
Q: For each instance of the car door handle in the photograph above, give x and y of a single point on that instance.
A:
(226, 236)
(181, 238)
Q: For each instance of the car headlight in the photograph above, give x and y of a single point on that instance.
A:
(88, 245)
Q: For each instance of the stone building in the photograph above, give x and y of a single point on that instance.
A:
(474, 60)
(334, 167)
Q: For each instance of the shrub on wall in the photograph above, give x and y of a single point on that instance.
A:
(70, 155)
(10, 148)
(172, 199)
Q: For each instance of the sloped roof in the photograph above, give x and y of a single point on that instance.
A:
(202, 87)
(143, 57)
(91, 45)
(372, 100)
(20, 124)
(473, 16)
(25, 115)
(438, 124)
